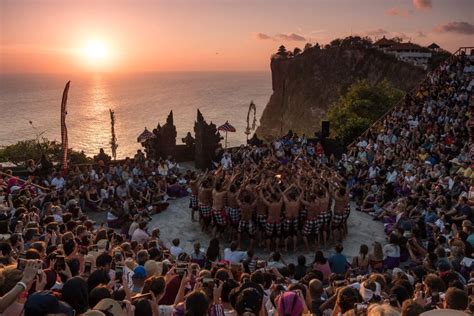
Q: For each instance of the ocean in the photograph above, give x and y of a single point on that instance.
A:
(139, 101)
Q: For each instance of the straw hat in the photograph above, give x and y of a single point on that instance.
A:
(110, 305)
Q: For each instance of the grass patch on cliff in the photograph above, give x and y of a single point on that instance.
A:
(360, 107)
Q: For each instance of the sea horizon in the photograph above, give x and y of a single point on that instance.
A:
(139, 99)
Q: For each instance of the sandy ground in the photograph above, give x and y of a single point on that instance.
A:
(175, 222)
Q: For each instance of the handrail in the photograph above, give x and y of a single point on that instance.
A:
(417, 87)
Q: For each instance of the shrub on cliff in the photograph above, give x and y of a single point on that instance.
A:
(360, 107)
(20, 152)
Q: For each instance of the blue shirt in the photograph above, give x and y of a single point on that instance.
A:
(338, 263)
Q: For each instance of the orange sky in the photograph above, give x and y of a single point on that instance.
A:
(208, 35)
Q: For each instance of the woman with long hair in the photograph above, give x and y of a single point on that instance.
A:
(376, 257)
(360, 263)
(213, 252)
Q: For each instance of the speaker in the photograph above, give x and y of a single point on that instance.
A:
(325, 129)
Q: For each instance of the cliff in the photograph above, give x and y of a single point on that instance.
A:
(306, 85)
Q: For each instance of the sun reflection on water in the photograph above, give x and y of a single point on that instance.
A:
(97, 124)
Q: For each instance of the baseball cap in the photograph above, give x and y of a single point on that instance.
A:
(139, 272)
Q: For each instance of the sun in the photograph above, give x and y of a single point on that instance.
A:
(95, 50)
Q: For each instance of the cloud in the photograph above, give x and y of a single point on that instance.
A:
(422, 4)
(401, 35)
(377, 32)
(263, 36)
(465, 28)
(290, 37)
(420, 34)
(398, 12)
(281, 36)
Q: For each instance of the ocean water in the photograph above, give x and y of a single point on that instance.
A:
(139, 101)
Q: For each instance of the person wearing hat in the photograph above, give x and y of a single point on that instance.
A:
(138, 279)
(111, 307)
(45, 303)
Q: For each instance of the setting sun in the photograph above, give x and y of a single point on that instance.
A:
(95, 50)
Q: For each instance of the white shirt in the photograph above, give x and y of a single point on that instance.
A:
(176, 251)
(391, 250)
(392, 176)
(234, 256)
(140, 235)
(58, 183)
(226, 162)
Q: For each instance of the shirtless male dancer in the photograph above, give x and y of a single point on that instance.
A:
(325, 214)
(290, 221)
(261, 220)
(218, 209)
(312, 224)
(193, 203)
(273, 221)
(246, 222)
(233, 210)
(341, 202)
(205, 202)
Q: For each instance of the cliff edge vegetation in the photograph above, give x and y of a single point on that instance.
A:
(306, 84)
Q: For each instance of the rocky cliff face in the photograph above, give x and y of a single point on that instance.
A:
(305, 86)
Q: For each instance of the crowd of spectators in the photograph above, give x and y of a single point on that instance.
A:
(413, 171)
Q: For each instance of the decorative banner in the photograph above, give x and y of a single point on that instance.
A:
(64, 143)
(113, 139)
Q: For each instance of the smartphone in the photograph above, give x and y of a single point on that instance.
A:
(339, 283)
(119, 273)
(435, 297)
(208, 282)
(261, 264)
(360, 309)
(21, 264)
(87, 267)
(221, 265)
(118, 255)
(181, 268)
(60, 263)
(94, 248)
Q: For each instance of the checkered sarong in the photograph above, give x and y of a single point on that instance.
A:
(248, 226)
(346, 213)
(234, 215)
(194, 204)
(205, 210)
(302, 218)
(311, 224)
(337, 219)
(262, 221)
(325, 218)
(273, 228)
(290, 225)
(220, 217)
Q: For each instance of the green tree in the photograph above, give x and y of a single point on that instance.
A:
(360, 107)
(20, 152)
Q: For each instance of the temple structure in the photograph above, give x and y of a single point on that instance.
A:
(163, 142)
(207, 142)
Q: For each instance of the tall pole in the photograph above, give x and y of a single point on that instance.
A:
(225, 139)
